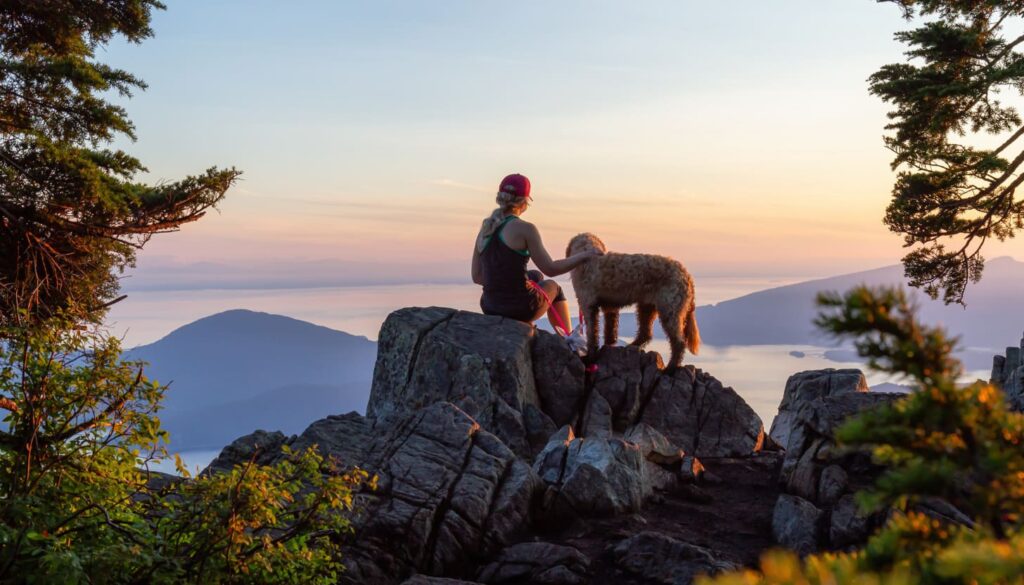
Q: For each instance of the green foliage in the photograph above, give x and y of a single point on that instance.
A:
(960, 444)
(77, 506)
(71, 214)
(78, 422)
(256, 524)
(952, 195)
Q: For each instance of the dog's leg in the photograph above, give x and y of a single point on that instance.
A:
(670, 321)
(611, 325)
(592, 315)
(645, 315)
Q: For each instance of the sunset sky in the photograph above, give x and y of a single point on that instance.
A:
(738, 137)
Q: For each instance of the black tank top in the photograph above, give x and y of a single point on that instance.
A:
(506, 288)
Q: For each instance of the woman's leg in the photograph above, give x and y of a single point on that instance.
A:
(558, 312)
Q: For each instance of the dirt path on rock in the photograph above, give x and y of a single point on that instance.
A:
(730, 514)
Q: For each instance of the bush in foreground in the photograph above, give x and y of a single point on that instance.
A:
(77, 506)
(942, 441)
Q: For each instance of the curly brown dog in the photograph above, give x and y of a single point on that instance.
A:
(655, 284)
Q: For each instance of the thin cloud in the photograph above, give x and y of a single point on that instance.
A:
(453, 184)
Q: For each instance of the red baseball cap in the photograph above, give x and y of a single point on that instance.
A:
(517, 185)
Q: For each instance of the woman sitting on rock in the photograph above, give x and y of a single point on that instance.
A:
(504, 246)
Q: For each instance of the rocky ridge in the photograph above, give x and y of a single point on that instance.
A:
(501, 460)
(1008, 374)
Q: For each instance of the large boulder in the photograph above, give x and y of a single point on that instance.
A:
(703, 417)
(592, 476)
(804, 387)
(480, 363)
(660, 558)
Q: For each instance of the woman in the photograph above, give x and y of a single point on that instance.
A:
(504, 246)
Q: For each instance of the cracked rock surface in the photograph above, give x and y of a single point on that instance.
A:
(482, 364)
(703, 417)
(591, 476)
(449, 492)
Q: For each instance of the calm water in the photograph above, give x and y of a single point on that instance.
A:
(757, 373)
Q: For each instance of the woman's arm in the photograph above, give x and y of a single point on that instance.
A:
(478, 277)
(543, 260)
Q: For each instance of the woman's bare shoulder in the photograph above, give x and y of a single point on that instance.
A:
(522, 226)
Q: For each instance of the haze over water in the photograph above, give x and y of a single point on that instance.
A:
(147, 315)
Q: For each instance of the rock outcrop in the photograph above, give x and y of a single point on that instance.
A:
(461, 432)
(1008, 374)
(803, 387)
(518, 383)
(817, 510)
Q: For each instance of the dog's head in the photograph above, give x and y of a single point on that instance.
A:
(584, 243)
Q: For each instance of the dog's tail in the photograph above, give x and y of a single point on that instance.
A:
(691, 332)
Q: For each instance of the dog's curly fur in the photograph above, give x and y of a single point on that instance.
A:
(657, 285)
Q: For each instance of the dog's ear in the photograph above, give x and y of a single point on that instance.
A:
(592, 242)
(573, 243)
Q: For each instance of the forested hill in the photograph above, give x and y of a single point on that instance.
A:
(240, 370)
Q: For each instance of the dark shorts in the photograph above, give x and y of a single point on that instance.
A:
(526, 304)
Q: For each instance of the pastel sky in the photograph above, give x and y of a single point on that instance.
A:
(736, 136)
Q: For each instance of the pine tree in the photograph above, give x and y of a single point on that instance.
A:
(72, 214)
(952, 195)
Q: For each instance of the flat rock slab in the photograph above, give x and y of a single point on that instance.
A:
(663, 559)
(537, 562)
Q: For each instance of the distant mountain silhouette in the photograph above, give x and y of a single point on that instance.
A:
(237, 371)
(784, 315)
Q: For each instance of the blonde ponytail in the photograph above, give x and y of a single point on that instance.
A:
(506, 202)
